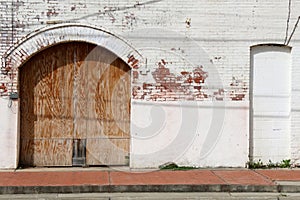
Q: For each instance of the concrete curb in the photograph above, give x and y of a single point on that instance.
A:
(288, 188)
(148, 188)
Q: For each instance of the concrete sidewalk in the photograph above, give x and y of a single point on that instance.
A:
(83, 180)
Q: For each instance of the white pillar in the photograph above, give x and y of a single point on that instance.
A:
(8, 133)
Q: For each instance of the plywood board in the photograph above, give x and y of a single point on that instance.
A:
(74, 91)
(107, 151)
(49, 152)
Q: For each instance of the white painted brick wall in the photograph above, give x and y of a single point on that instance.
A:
(224, 29)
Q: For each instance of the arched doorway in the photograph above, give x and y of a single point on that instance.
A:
(74, 107)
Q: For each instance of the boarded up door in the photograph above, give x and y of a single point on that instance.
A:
(271, 102)
(74, 92)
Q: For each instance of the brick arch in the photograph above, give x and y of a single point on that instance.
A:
(49, 36)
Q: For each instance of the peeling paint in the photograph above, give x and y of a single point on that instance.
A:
(169, 86)
(133, 62)
(135, 75)
(52, 12)
(129, 19)
(238, 89)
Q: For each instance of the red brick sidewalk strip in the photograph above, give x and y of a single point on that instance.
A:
(243, 177)
(53, 178)
(165, 178)
(281, 174)
(157, 181)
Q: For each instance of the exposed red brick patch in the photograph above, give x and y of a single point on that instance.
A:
(169, 86)
(135, 75)
(2, 87)
(238, 89)
(133, 62)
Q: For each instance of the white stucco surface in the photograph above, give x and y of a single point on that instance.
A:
(8, 136)
(202, 134)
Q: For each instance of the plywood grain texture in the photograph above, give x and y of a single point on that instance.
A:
(102, 151)
(74, 91)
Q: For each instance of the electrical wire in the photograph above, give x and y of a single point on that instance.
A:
(288, 22)
(294, 29)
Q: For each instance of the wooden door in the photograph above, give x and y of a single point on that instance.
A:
(74, 92)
